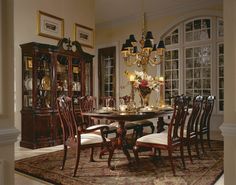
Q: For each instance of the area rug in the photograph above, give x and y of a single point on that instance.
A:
(151, 171)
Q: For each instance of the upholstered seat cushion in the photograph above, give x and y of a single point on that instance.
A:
(90, 138)
(184, 133)
(155, 138)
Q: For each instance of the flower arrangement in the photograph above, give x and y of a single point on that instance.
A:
(145, 83)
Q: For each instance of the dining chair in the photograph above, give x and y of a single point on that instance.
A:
(77, 135)
(171, 139)
(89, 104)
(205, 120)
(190, 133)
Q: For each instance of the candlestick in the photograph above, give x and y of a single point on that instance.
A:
(161, 100)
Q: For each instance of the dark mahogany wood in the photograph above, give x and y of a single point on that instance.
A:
(208, 106)
(174, 135)
(122, 118)
(40, 121)
(192, 126)
(73, 131)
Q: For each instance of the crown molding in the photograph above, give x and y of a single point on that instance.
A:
(228, 129)
(8, 136)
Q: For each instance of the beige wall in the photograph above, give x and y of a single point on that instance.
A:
(25, 22)
(229, 126)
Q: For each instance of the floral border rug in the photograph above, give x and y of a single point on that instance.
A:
(151, 171)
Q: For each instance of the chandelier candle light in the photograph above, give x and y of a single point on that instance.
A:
(146, 53)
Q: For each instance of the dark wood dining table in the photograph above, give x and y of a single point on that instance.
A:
(122, 117)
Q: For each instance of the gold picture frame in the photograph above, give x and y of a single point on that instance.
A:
(50, 26)
(84, 35)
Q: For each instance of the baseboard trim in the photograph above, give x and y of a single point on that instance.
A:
(228, 129)
(8, 135)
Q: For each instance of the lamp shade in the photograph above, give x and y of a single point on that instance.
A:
(161, 45)
(147, 44)
(128, 44)
(149, 35)
(132, 38)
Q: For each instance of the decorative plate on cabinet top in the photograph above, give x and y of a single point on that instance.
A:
(46, 83)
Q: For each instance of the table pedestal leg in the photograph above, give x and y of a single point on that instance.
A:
(160, 124)
(122, 142)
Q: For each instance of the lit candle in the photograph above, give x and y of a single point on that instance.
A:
(161, 99)
(131, 77)
(161, 79)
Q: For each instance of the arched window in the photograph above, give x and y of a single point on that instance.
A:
(194, 59)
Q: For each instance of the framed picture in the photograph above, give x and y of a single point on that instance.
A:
(84, 35)
(50, 26)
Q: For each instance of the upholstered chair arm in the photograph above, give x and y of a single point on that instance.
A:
(98, 127)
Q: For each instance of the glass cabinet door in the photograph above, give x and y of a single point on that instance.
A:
(43, 81)
(27, 81)
(88, 70)
(76, 77)
(62, 75)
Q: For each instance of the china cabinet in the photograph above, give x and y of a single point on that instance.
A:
(47, 72)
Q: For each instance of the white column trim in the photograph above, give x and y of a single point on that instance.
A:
(228, 129)
(8, 135)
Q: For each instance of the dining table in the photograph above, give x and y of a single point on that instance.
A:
(122, 117)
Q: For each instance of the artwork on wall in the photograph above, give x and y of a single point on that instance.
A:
(50, 26)
(84, 35)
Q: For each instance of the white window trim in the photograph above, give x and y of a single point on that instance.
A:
(213, 42)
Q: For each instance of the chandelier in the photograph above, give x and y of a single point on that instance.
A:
(144, 53)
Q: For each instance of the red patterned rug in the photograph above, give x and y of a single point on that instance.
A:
(153, 171)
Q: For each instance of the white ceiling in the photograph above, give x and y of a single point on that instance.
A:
(117, 10)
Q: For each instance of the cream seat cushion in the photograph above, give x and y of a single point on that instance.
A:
(155, 138)
(90, 138)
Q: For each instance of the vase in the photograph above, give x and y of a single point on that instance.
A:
(144, 99)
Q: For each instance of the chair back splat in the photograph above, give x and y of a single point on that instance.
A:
(191, 130)
(181, 104)
(75, 133)
(207, 112)
(208, 106)
(193, 122)
(67, 118)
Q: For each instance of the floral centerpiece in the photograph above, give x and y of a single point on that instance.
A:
(145, 83)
